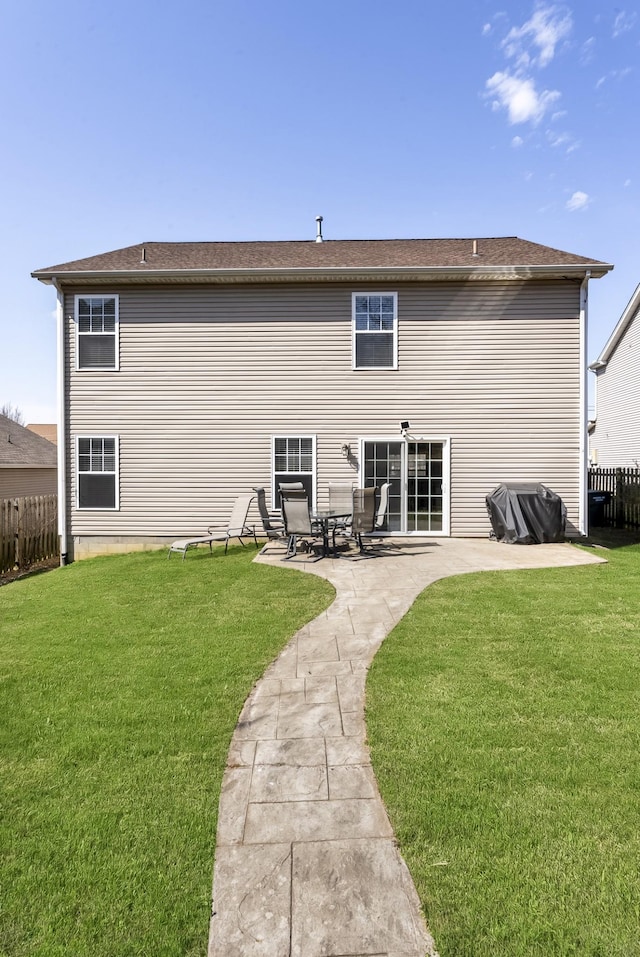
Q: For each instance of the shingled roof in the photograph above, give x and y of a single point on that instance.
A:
(216, 261)
(21, 448)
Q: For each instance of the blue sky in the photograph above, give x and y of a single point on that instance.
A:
(239, 120)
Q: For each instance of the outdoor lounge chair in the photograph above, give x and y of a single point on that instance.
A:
(237, 528)
(273, 527)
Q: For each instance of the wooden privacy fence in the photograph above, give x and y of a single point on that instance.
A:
(28, 530)
(623, 485)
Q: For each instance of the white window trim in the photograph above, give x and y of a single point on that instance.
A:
(97, 295)
(116, 473)
(364, 292)
(313, 472)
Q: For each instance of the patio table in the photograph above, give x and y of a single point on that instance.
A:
(324, 518)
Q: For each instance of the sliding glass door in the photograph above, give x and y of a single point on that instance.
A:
(418, 472)
(382, 462)
(425, 495)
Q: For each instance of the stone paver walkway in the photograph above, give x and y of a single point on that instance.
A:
(306, 864)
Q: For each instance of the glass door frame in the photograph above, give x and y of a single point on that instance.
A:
(403, 441)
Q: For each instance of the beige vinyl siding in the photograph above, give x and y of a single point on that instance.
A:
(208, 375)
(19, 482)
(616, 437)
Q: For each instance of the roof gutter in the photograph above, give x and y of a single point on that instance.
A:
(62, 427)
(283, 274)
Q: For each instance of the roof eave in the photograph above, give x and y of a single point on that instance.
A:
(28, 465)
(328, 274)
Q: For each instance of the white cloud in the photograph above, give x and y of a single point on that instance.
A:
(587, 51)
(627, 183)
(579, 200)
(614, 75)
(487, 28)
(548, 26)
(517, 141)
(624, 22)
(519, 97)
(565, 140)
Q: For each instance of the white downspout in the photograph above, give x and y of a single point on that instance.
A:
(583, 512)
(62, 428)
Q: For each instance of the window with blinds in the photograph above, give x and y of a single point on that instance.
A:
(294, 460)
(375, 330)
(97, 332)
(97, 462)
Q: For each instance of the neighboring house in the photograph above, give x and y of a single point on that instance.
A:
(47, 430)
(192, 372)
(614, 439)
(27, 462)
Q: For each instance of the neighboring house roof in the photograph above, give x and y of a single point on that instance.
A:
(481, 258)
(21, 448)
(47, 431)
(632, 307)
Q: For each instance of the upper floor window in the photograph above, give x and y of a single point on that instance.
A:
(98, 472)
(96, 332)
(375, 330)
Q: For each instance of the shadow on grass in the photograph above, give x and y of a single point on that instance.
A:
(610, 538)
(38, 568)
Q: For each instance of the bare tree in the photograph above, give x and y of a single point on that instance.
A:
(12, 412)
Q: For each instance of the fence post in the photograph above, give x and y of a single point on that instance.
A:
(619, 504)
(17, 551)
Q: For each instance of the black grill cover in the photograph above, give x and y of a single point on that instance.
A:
(526, 513)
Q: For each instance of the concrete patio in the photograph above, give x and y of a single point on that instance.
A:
(306, 864)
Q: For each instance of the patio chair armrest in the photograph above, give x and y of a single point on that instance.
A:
(226, 530)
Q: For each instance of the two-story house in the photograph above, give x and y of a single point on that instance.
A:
(191, 372)
(615, 433)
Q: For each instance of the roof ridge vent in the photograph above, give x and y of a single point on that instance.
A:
(319, 238)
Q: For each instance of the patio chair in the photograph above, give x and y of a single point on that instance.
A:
(380, 517)
(273, 527)
(383, 506)
(340, 495)
(285, 487)
(341, 500)
(236, 528)
(364, 513)
(298, 524)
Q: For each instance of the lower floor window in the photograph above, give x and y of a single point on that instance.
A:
(294, 460)
(97, 472)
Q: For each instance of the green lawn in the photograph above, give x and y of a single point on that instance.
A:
(122, 680)
(504, 718)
